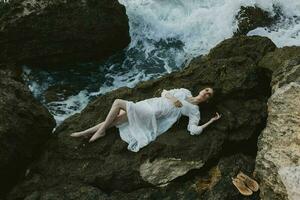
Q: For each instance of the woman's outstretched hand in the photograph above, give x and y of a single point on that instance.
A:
(216, 117)
(177, 103)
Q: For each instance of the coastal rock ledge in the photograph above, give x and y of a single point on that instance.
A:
(200, 167)
(25, 125)
(278, 157)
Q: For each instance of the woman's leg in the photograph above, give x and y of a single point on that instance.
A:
(117, 106)
(87, 131)
(121, 118)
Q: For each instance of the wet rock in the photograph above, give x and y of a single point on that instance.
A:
(25, 125)
(278, 158)
(162, 171)
(252, 17)
(242, 89)
(61, 92)
(46, 33)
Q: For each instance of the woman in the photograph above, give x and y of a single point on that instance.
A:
(141, 122)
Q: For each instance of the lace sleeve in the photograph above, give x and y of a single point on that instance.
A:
(194, 118)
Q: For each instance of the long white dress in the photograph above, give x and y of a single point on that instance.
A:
(150, 118)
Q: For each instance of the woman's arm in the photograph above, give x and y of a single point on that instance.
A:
(215, 118)
(194, 120)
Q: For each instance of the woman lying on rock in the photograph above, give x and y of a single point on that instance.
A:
(141, 122)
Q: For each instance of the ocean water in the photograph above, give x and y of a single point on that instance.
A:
(165, 35)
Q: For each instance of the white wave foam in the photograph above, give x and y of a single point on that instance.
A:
(76, 103)
(201, 24)
(64, 109)
(37, 88)
(286, 32)
(167, 33)
(128, 79)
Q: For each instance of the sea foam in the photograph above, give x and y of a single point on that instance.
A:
(164, 35)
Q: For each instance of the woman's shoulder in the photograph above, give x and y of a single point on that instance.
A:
(177, 88)
(189, 108)
(180, 92)
(192, 107)
(186, 91)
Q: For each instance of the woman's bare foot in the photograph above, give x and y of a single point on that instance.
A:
(77, 134)
(88, 135)
(97, 135)
(88, 132)
(85, 134)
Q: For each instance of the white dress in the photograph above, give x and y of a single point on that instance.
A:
(150, 118)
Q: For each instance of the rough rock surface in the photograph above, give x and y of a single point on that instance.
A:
(276, 60)
(43, 32)
(217, 184)
(251, 17)
(242, 90)
(24, 126)
(162, 171)
(278, 158)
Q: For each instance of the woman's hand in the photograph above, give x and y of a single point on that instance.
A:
(216, 117)
(172, 99)
(163, 94)
(177, 104)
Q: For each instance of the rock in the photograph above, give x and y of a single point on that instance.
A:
(278, 157)
(25, 125)
(252, 17)
(285, 76)
(61, 92)
(213, 183)
(60, 32)
(282, 56)
(161, 171)
(242, 89)
(240, 48)
(290, 177)
(67, 192)
(218, 182)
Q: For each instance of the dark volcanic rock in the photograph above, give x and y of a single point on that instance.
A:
(242, 89)
(69, 191)
(61, 92)
(252, 48)
(250, 18)
(217, 184)
(24, 126)
(280, 57)
(61, 32)
(212, 184)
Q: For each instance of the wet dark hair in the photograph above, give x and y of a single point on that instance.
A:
(213, 91)
(217, 94)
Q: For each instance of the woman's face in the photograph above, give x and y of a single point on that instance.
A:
(206, 93)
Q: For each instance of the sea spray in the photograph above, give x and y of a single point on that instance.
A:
(164, 35)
